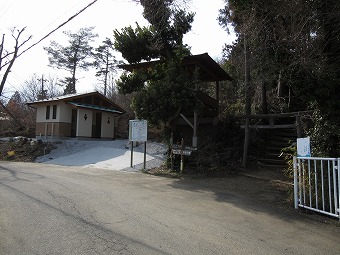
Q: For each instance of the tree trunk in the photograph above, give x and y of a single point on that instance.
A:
(106, 73)
(264, 98)
(247, 103)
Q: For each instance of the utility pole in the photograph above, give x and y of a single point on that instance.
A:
(42, 96)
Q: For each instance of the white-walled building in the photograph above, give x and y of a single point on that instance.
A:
(89, 115)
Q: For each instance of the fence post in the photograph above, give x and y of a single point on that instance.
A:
(338, 168)
(295, 183)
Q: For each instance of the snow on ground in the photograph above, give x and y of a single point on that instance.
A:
(111, 155)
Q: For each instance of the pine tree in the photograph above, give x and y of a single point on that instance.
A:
(73, 57)
(163, 90)
(105, 62)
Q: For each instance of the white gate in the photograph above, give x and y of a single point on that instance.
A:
(317, 184)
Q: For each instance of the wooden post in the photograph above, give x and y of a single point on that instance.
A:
(171, 154)
(182, 157)
(194, 138)
(247, 103)
(193, 126)
(298, 126)
(246, 142)
(46, 128)
(264, 103)
(217, 95)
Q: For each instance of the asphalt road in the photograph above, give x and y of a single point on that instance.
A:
(46, 209)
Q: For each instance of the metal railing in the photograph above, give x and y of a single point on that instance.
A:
(317, 184)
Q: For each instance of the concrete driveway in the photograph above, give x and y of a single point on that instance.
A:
(46, 209)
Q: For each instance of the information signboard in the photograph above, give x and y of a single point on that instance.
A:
(138, 130)
(303, 147)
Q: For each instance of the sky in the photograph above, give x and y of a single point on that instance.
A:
(42, 16)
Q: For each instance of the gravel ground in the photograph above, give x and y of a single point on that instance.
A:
(112, 155)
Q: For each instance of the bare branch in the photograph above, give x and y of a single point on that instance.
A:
(17, 46)
(11, 62)
(1, 49)
(43, 38)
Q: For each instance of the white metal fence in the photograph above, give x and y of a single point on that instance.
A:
(317, 184)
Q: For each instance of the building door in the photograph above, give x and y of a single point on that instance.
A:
(97, 125)
(74, 123)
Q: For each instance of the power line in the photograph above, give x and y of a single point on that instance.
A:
(16, 89)
(18, 77)
(61, 25)
(58, 27)
(5, 97)
(61, 16)
(5, 8)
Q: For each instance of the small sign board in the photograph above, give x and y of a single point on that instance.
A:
(180, 152)
(303, 147)
(138, 130)
(178, 146)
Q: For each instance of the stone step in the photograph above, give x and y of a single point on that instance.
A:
(273, 150)
(272, 155)
(272, 161)
(276, 140)
(271, 166)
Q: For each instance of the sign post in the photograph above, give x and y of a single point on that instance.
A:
(182, 150)
(171, 153)
(131, 162)
(182, 156)
(144, 164)
(138, 132)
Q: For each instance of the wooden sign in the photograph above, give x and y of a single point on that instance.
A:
(178, 146)
(181, 152)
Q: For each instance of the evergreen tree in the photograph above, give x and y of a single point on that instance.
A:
(294, 50)
(72, 57)
(163, 90)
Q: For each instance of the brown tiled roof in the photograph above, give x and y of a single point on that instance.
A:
(209, 69)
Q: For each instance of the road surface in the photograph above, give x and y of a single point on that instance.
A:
(46, 209)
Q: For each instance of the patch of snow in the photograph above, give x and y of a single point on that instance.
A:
(111, 155)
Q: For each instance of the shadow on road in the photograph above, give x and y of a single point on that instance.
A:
(252, 194)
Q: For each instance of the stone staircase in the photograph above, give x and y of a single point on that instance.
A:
(275, 141)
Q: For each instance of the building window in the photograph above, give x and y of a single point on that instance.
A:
(48, 112)
(54, 112)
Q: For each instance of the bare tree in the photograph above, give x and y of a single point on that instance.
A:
(37, 88)
(7, 58)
